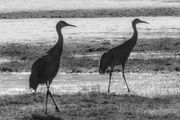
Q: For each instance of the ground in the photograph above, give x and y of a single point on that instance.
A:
(25, 54)
(157, 59)
(90, 106)
(93, 13)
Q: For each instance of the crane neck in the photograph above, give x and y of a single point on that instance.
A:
(135, 34)
(132, 41)
(57, 49)
(60, 39)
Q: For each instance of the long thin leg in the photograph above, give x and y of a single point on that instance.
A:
(49, 93)
(110, 74)
(125, 78)
(46, 100)
(57, 109)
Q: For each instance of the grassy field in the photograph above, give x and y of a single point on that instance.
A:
(90, 106)
(23, 56)
(93, 13)
(95, 105)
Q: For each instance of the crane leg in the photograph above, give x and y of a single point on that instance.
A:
(49, 93)
(110, 74)
(46, 101)
(125, 78)
(57, 109)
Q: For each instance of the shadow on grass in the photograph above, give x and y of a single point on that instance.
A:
(48, 117)
(89, 106)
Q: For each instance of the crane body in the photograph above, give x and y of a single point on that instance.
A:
(46, 67)
(119, 55)
(44, 70)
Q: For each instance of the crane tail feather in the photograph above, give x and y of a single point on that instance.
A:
(33, 82)
(104, 63)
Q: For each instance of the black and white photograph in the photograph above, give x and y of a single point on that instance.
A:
(89, 60)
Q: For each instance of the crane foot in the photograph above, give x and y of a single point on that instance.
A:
(46, 112)
(57, 109)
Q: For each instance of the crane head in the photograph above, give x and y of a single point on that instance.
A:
(136, 21)
(62, 24)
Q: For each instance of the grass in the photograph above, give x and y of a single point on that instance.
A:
(88, 106)
(23, 56)
(93, 13)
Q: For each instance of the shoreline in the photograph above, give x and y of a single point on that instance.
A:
(93, 13)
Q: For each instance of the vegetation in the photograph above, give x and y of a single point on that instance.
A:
(93, 13)
(23, 56)
(93, 105)
(89, 106)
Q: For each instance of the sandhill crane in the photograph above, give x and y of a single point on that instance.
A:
(46, 67)
(119, 55)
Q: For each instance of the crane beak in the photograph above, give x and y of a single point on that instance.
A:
(71, 25)
(144, 22)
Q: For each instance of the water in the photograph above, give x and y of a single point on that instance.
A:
(146, 84)
(36, 31)
(28, 5)
(87, 30)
